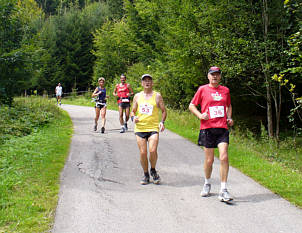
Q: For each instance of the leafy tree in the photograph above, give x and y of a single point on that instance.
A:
(67, 43)
(17, 46)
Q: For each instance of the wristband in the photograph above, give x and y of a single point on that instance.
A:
(163, 122)
(132, 118)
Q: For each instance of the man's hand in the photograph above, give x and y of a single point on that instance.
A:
(204, 116)
(161, 126)
(135, 119)
(230, 121)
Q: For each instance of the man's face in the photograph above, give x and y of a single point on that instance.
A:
(123, 79)
(147, 82)
(214, 78)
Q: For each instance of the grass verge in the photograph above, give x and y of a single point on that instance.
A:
(29, 176)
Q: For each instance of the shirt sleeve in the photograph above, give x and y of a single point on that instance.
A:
(197, 97)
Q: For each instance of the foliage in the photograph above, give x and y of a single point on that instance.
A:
(17, 50)
(24, 117)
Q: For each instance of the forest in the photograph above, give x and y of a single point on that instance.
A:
(257, 44)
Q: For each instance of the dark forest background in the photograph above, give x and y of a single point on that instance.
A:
(257, 43)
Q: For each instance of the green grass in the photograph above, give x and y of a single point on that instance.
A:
(29, 174)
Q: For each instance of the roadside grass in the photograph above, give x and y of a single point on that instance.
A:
(277, 167)
(30, 167)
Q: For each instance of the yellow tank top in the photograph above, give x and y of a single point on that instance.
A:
(148, 114)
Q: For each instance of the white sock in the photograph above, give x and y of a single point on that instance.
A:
(207, 181)
(223, 185)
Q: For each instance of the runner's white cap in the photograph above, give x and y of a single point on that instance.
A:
(146, 75)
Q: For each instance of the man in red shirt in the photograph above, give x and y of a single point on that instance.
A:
(123, 91)
(215, 116)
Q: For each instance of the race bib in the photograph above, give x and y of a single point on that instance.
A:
(125, 100)
(216, 111)
(146, 109)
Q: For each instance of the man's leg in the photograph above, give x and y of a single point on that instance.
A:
(142, 146)
(224, 170)
(120, 111)
(153, 144)
(224, 161)
(208, 162)
(127, 113)
(208, 167)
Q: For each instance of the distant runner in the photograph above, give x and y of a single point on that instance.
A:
(100, 104)
(59, 92)
(123, 91)
(215, 116)
(145, 115)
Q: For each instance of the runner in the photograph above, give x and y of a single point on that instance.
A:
(58, 91)
(215, 116)
(100, 104)
(145, 115)
(123, 91)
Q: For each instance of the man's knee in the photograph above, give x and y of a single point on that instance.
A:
(224, 158)
(209, 160)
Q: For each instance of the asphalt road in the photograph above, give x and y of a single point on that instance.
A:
(100, 188)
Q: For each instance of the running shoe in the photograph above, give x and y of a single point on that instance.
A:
(126, 126)
(206, 190)
(123, 130)
(95, 127)
(145, 180)
(155, 177)
(103, 129)
(225, 196)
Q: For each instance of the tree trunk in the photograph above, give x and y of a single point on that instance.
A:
(267, 81)
(278, 102)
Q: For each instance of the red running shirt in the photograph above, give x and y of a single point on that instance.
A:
(214, 101)
(122, 91)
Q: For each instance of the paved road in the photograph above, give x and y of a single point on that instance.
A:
(100, 190)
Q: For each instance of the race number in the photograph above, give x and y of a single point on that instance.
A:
(146, 109)
(125, 100)
(216, 111)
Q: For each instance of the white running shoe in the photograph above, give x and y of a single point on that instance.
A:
(123, 130)
(206, 190)
(225, 196)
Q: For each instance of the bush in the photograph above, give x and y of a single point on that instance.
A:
(25, 116)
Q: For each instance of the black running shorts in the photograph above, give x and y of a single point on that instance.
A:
(124, 105)
(145, 135)
(210, 138)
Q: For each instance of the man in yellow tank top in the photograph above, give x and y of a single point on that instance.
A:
(145, 115)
